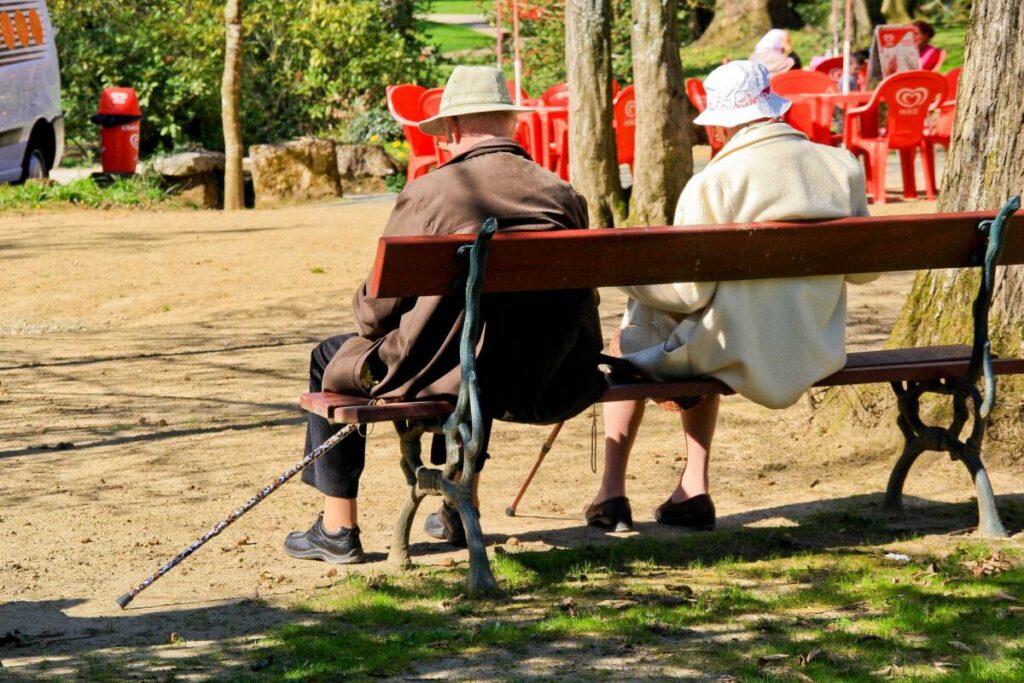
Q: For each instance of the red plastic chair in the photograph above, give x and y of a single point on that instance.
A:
(907, 97)
(559, 156)
(942, 131)
(523, 96)
(430, 105)
(404, 105)
(699, 100)
(813, 118)
(624, 121)
(831, 67)
(556, 96)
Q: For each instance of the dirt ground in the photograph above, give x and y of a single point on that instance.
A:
(150, 364)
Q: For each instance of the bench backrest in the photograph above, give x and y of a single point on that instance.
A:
(567, 259)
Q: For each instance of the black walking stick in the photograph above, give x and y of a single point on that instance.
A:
(241, 510)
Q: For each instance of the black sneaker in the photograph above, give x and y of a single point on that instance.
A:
(446, 524)
(317, 544)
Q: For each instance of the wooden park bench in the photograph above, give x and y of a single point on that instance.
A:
(519, 262)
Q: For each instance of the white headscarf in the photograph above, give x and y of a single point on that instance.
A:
(771, 41)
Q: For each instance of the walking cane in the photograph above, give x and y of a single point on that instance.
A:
(241, 510)
(511, 509)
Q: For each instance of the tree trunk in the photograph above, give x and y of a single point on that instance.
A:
(593, 164)
(663, 161)
(230, 96)
(863, 27)
(737, 22)
(983, 169)
(895, 11)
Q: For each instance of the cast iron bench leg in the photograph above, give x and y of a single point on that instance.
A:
(411, 461)
(919, 437)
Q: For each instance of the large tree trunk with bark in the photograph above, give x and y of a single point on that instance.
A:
(593, 164)
(737, 22)
(230, 97)
(862, 24)
(983, 169)
(663, 161)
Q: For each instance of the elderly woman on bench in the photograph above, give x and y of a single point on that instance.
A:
(769, 340)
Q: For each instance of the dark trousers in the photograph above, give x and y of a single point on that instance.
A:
(337, 472)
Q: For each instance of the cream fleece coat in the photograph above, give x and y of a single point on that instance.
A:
(769, 340)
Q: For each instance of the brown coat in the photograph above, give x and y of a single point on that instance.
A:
(537, 357)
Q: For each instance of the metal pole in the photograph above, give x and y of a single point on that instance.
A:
(517, 65)
(846, 46)
(497, 23)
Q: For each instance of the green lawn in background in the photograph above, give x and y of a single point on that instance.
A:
(450, 38)
(819, 601)
(456, 7)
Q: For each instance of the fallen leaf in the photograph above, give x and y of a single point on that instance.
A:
(622, 603)
(568, 605)
(174, 637)
(963, 647)
(449, 563)
(87, 540)
(768, 660)
(448, 603)
(331, 572)
(513, 542)
(1003, 595)
(806, 659)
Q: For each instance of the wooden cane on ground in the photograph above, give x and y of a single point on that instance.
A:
(511, 509)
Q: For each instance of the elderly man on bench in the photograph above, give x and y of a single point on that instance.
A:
(538, 353)
(769, 340)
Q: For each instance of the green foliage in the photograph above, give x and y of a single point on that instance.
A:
(309, 67)
(374, 122)
(137, 191)
(452, 38)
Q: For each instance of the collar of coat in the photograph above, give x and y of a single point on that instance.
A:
(491, 146)
(756, 135)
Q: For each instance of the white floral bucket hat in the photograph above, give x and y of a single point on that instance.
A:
(738, 93)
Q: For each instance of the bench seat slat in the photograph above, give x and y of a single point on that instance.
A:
(864, 367)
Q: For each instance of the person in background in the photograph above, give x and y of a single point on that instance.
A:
(858, 69)
(775, 52)
(769, 340)
(928, 54)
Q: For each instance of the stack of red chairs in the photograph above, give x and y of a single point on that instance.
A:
(942, 131)
(814, 118)
(624, 122)
(404, 105)
(908, 96)
(699, 100)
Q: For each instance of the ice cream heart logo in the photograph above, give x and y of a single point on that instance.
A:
(835, 74)
(631, 111)
(911, 98)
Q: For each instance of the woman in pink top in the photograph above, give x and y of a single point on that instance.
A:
(927, 53)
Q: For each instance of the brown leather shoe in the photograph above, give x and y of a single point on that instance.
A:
(697, 513)
(614, 514)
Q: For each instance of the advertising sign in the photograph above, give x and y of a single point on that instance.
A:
(893, 50)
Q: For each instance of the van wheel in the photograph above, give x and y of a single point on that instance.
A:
(34, 166)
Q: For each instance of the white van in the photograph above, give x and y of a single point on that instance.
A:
(31, 119)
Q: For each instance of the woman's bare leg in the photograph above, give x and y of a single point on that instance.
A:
(698, 428)
(621, 424)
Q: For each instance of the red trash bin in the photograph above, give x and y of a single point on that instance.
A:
(118, 117)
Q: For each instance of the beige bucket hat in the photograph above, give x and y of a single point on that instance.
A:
(471, 90)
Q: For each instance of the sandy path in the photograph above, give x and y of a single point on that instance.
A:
(169, 348)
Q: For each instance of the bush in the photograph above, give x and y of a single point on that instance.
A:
(375, 125)
(310, 66)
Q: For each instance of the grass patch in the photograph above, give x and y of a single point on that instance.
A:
(136, 191)
(448, 38)
(818, 600)
(456, 7)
